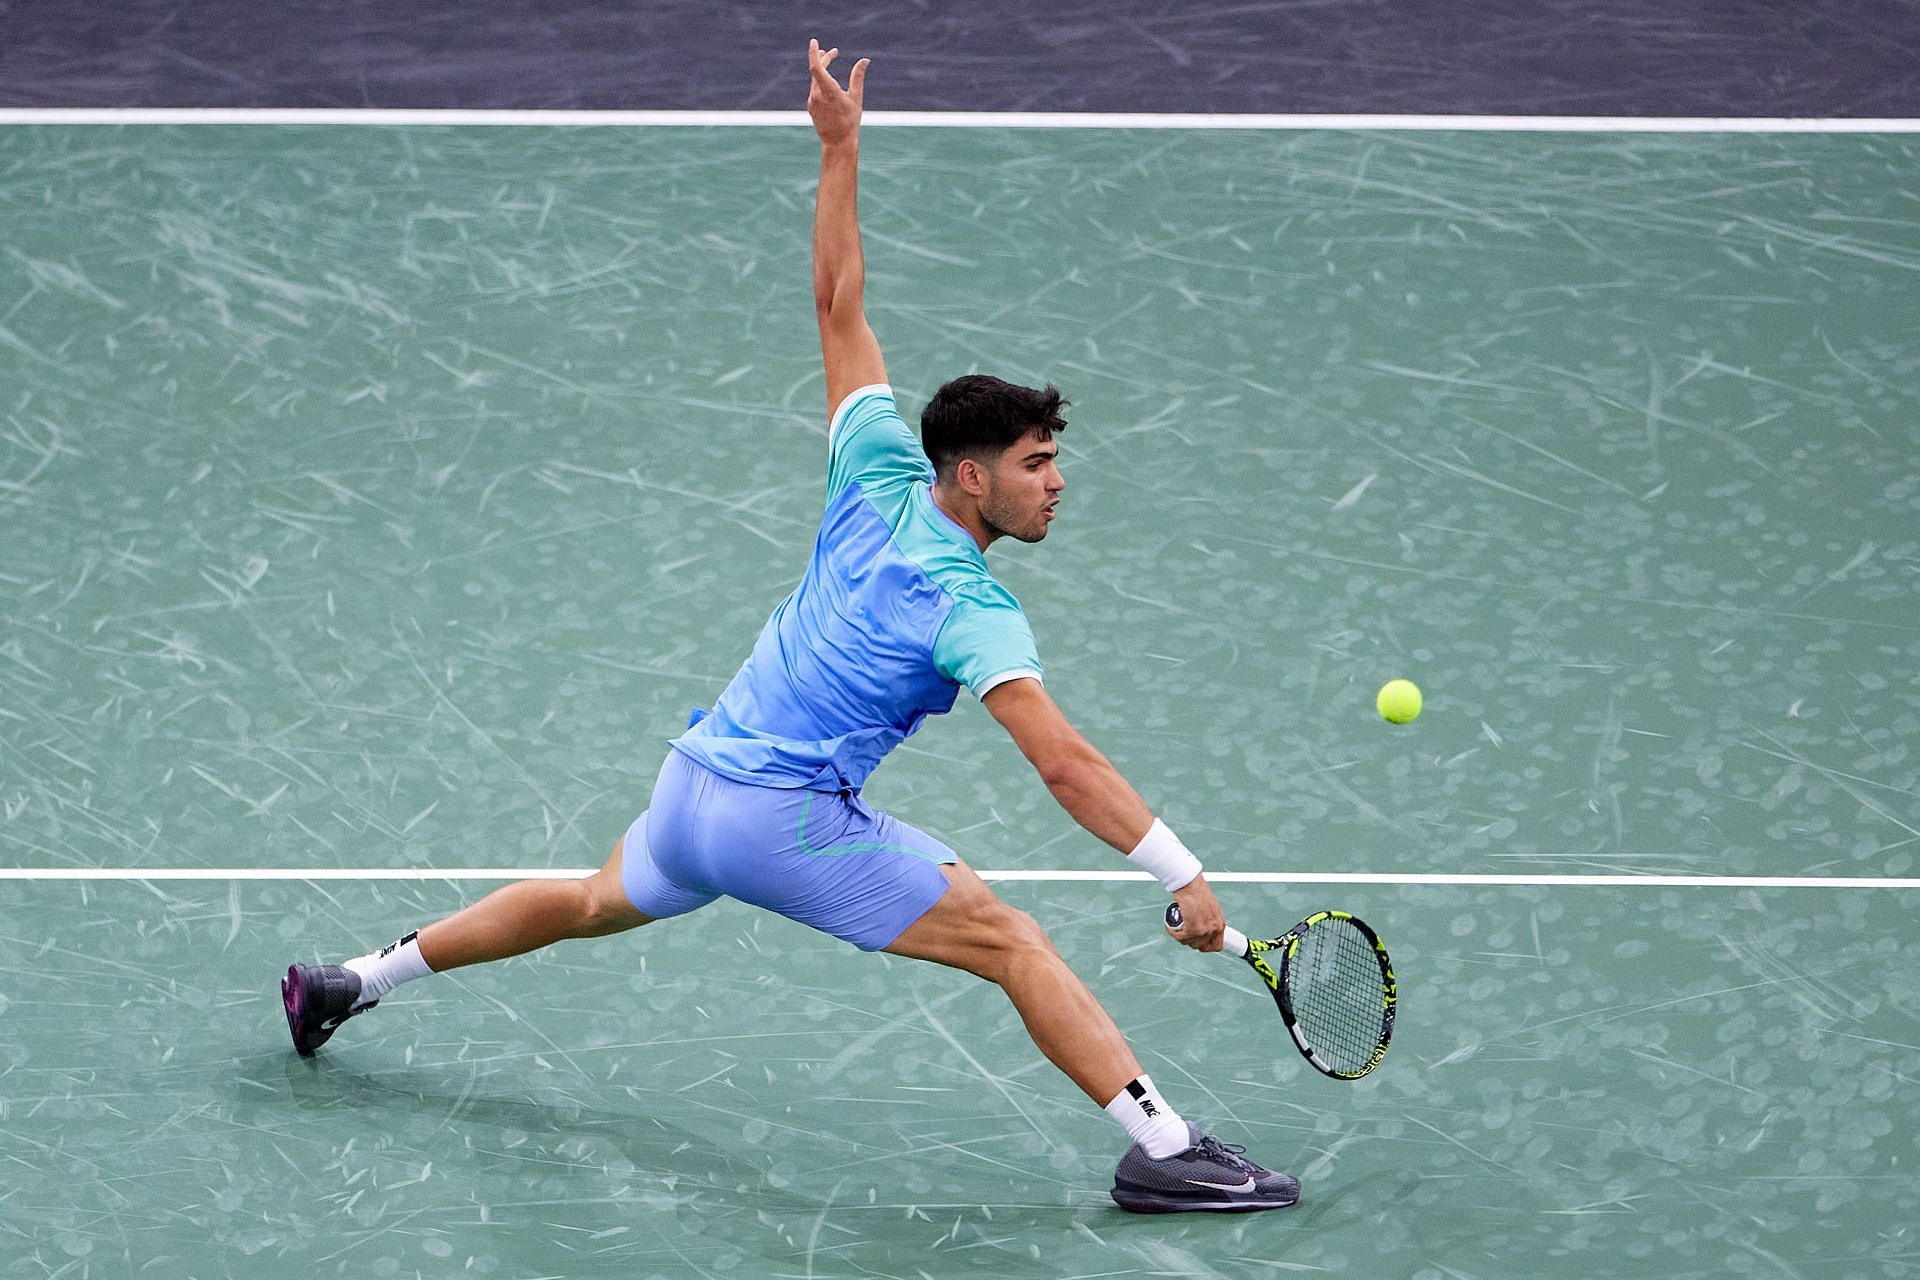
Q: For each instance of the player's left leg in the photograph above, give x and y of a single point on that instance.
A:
(638, 885)
(532, 914)
(521, 917)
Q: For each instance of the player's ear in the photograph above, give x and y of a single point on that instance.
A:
(972, 477)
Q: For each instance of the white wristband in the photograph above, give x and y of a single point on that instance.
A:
(1162, 856)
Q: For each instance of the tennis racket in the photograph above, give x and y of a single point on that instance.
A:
(1334, 986)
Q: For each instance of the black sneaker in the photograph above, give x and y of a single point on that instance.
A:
(319, 997)
(1207, 1175)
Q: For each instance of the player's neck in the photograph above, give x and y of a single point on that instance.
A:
(958, 508)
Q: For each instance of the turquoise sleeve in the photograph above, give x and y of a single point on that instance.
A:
(986, 635)
(872, 446)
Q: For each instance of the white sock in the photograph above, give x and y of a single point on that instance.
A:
(1148, 1120)
(385, 969)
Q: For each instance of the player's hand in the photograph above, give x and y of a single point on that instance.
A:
(835, 111)
(1201, 920)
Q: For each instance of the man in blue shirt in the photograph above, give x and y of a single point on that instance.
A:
(760, 800)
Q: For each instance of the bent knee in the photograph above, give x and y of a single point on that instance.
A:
(971, 929)
(1021, 930)
(1013, 941)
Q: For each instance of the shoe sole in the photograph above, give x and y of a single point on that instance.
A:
(1148, 1202)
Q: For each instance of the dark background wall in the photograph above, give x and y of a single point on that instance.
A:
(1559, 57)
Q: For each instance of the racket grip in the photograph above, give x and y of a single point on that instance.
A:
(1233, 942)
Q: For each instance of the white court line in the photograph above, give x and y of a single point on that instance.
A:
(136, 874)
(952, 120)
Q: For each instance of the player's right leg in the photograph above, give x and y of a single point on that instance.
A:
(1172, 1166)
(970, 928)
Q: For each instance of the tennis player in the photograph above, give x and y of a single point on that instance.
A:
(760, 800)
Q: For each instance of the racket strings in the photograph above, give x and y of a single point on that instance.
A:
(1338, 995)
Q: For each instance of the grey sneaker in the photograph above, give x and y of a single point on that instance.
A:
(318, 998)
(1207, 1175)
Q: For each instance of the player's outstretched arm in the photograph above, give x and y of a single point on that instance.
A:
(1092, 791)
(839, 272)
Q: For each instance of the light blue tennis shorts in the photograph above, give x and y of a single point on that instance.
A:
(822, 858)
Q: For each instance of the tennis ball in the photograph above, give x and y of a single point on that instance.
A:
(1399, 701)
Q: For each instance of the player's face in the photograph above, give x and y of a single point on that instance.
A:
(1024, 486)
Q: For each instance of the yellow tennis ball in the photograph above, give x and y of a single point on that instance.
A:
(1399, 701)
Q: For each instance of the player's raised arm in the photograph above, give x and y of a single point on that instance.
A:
(1090, 789)
(839, 272)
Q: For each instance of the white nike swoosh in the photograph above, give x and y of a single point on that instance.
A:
(1224, 1186)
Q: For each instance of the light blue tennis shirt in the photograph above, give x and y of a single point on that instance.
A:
(896, 612)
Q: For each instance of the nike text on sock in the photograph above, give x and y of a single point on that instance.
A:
(1148, 1120)
(385, 969)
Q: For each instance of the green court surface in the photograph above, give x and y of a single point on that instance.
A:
(384, 497)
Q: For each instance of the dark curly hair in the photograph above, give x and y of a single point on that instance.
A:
(981, 417)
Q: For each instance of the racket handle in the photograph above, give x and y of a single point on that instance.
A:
(1233, 942)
